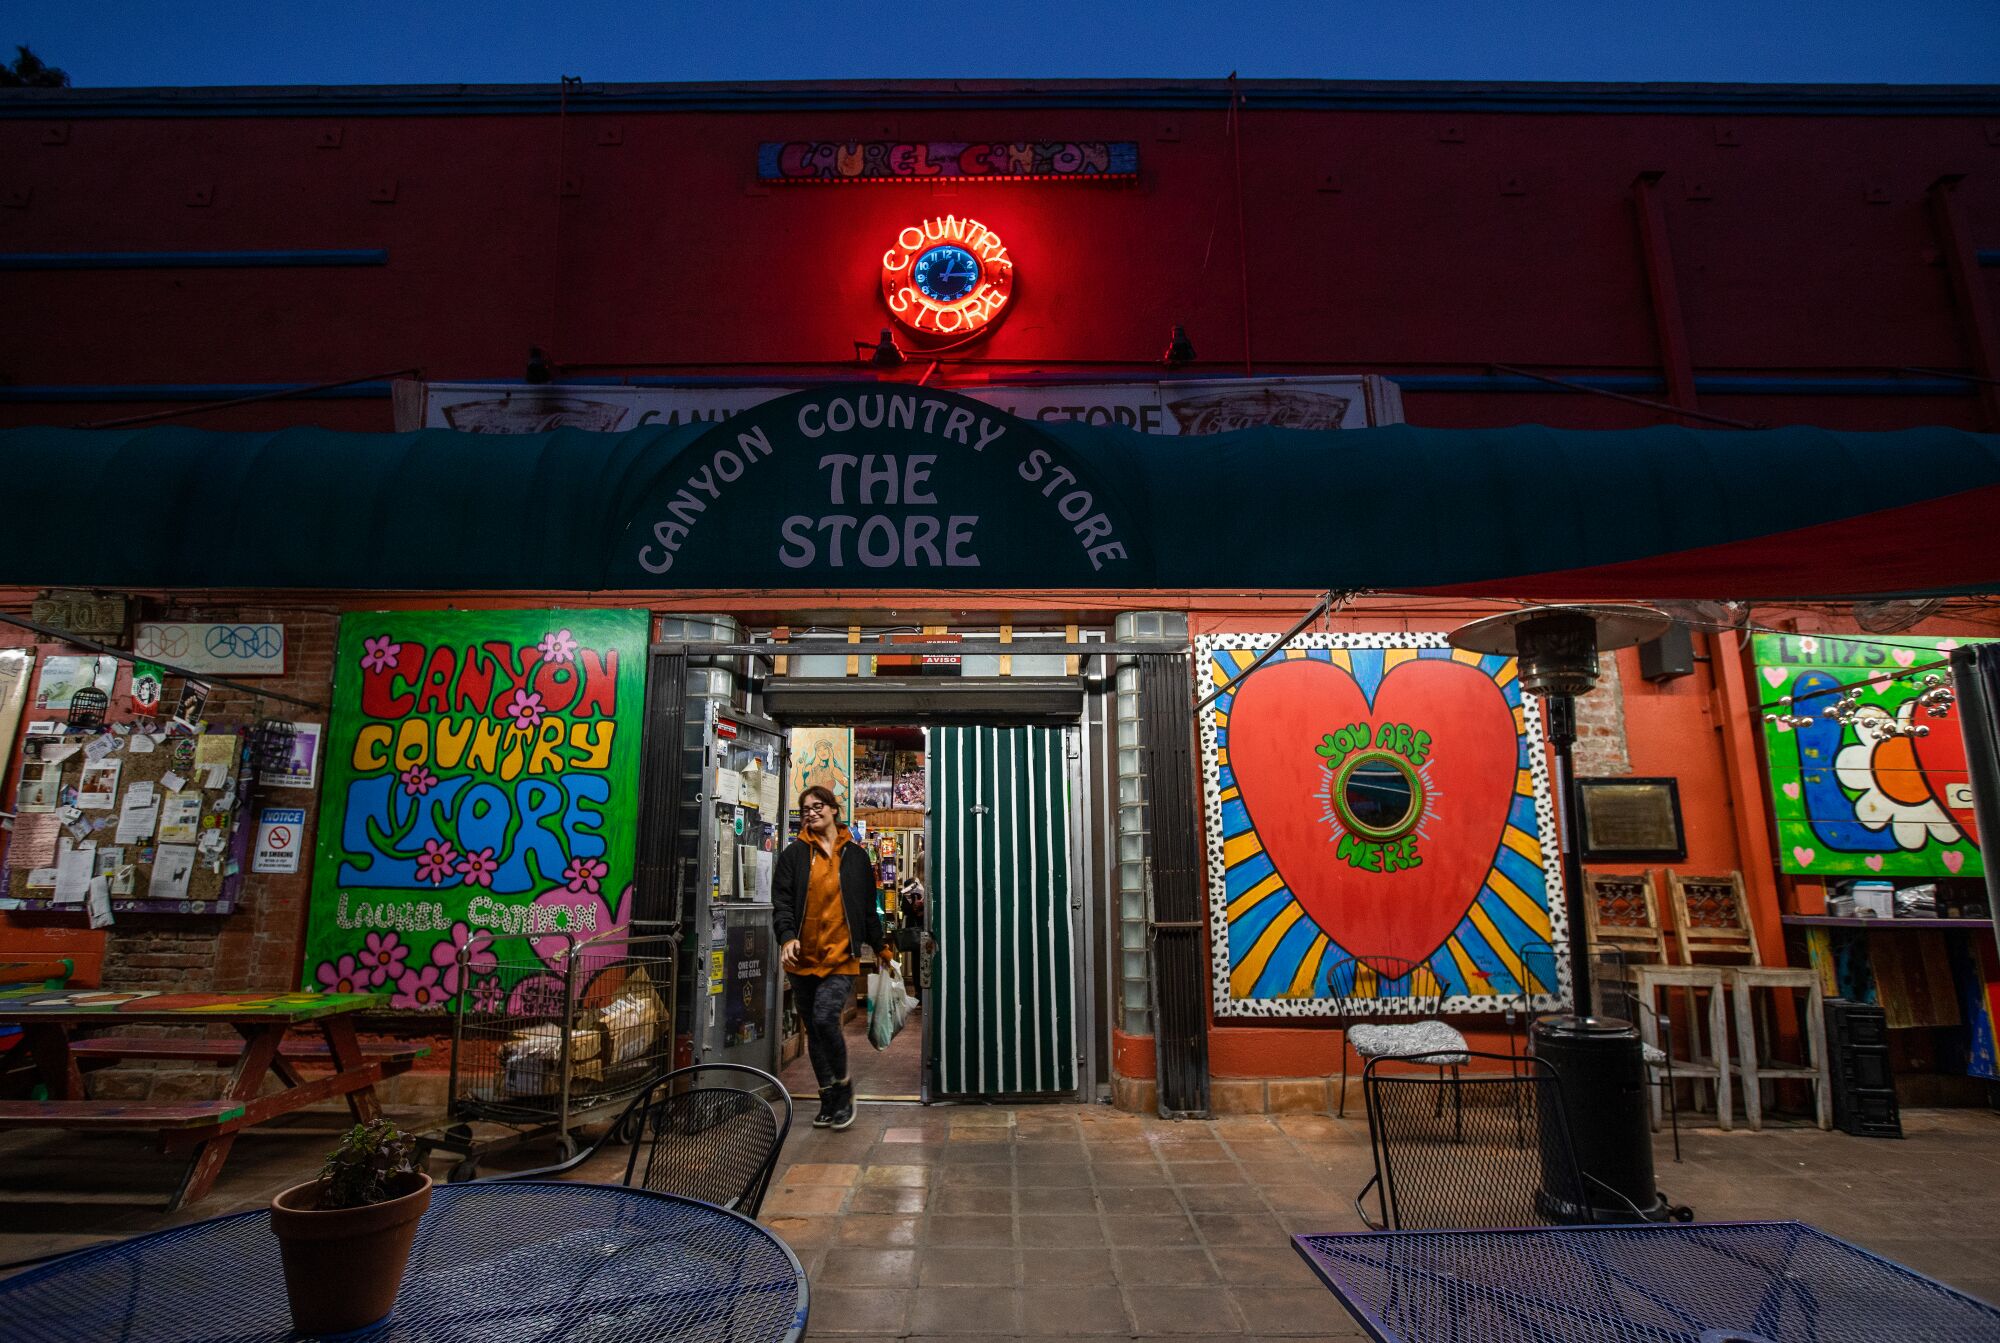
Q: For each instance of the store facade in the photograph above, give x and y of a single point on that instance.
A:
(539, 657)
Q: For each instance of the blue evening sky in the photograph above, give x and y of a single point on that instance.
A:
(124, 42)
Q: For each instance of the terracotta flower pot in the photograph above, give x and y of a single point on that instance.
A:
(343, 1266)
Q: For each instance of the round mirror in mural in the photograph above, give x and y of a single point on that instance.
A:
(1378, 794)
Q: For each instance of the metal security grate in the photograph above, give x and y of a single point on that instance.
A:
(1180, 979)
(520, 1261)
(1730, 1282)
(668, 816)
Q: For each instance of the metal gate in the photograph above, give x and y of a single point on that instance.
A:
(1001, 881)
(1180, 982)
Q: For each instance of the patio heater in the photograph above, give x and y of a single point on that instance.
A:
(1598, 1058)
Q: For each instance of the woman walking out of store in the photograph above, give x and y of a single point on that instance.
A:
(823, 910)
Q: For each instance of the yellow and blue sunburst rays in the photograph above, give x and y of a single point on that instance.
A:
(1277, 951)
(1506, 937)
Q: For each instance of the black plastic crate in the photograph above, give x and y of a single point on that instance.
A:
(1865, 1068)
(1864, 1082)
(1869, 1114)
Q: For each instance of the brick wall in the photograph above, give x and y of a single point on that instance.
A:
(258, 947)
(1601, 746)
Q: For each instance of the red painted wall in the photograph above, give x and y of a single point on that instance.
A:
(1397, 241)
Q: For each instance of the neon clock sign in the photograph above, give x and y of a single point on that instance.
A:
(947, 277)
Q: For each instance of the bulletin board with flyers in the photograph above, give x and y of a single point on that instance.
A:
(122, 776)
(157, 815)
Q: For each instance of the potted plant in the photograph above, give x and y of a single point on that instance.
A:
(345, 1236)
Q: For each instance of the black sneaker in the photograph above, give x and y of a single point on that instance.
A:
(827, 1094)
(843, 1111)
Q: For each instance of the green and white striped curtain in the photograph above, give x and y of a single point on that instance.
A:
(1000, 868)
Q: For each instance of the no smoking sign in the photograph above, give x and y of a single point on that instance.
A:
(281, 835)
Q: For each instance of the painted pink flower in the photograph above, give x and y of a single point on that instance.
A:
(380, 654)
(342, 976)
(479, 957)
(419, 991)
(437, 862)
(487, 995)
(525, 708)
(559, 646)
(477, 869)
(417, 781)
(585, 875)
(383, 958)
(536, 996)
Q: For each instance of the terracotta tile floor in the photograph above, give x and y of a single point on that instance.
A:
(895, 1072)
(966, 1222)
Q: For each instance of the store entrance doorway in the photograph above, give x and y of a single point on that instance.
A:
(878, 774)
(969, 831)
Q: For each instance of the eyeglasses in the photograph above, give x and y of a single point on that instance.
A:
(811, 807)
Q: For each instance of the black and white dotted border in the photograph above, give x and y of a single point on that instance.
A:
(1206, 646)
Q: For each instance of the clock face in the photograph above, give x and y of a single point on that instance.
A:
(946, 274)
(947, 277)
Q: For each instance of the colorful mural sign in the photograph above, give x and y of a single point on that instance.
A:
(1851, 800)
(1384, 796)
(482, 779)
(925, 160)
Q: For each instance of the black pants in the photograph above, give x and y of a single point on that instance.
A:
(822, 1000)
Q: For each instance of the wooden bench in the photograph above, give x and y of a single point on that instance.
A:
(294, 1049)
(118, 1115)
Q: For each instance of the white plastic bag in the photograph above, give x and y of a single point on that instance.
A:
(888, 1006)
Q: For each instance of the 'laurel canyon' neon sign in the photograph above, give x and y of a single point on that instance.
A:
(979, 307)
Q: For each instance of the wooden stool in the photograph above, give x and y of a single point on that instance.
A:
(1751, 1068)
(1651, 979)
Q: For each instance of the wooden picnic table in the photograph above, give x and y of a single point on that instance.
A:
(204, 1129)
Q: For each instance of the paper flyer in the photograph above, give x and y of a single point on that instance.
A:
(99, 788)
(193, 703)
(74, 868)
(173, 868)
(99, 902)
(292, 757)
(215, 748)
(15, 665)
(139, 816)
(62, 677)
(34, 843)
(180, 818)
(41, 786)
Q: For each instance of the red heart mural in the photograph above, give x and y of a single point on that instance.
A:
(1280, 715)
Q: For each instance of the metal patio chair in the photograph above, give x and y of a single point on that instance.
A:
(1617, 996)
(1502, 1158)
(711, 1132)
(1419, 993)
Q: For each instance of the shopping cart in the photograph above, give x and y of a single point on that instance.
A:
(553, 1032)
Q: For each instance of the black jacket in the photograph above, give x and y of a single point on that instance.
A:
(857, 894)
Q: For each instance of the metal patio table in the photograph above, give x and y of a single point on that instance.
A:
(516, 1260)
(1716, 1282)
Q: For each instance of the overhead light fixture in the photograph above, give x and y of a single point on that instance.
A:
(540, 370)
(887, 354)
(1180, 350)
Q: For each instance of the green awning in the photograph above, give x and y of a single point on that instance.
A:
(887, 486)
